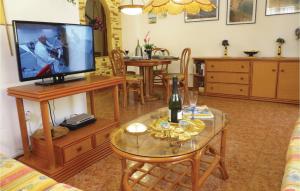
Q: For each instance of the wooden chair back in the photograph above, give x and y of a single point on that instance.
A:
(117, 61)
(161, 50)
(165, 52)
(184, 62)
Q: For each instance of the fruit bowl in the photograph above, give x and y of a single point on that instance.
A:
(251, 53)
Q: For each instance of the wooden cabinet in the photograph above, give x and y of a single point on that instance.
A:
(227, 77)
(264, 79)
(288, 81)
(268, 79)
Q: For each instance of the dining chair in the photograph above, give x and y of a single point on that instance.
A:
(159, 70)
(182, 76)
(132, 82)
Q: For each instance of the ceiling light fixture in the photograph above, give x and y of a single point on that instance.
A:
(175, 7)
(132, 8)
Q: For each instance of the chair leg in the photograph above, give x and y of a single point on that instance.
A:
(142, 92)
(125, 94)
(167, 84)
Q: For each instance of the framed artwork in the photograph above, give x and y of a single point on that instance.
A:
(204, 16)
(241, 12)
(279, 7)
(152, 18)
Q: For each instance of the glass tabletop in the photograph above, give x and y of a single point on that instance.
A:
(147, 145)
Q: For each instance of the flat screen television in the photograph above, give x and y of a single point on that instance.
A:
(54, 50)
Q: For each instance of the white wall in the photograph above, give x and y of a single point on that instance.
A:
(34, 10)
(204, 38)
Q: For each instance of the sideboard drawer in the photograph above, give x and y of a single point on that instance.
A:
(228, 66)
(235, 78)
(232, 89)
(77, 149)
(102, 136)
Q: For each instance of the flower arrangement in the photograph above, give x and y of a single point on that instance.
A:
(280, 41)
(147, 44)
(97, 23)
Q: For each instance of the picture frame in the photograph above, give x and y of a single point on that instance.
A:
(204, 16)
(241, 12)
(282, 7)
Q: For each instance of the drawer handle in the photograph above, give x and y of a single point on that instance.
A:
(273, 70)
(242, 66)
(107, 135)
(212, 77)
(282, 70)
(212, 66)
(242, 78)
(211, 88)
(241, 90)
(79, 149)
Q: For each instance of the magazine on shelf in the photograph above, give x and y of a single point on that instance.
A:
(200, 112)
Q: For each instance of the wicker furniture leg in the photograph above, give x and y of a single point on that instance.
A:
(222, 154)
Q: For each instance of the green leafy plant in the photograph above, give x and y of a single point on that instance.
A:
(225, 43)
(147, 44)
(280, 41)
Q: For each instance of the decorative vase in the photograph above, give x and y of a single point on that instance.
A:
(225, 51)
(149, 53)
(279, 51)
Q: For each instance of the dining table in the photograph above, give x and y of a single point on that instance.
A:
(146, 69)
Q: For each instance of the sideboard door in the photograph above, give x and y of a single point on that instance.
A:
(264, 79)
(288, 81)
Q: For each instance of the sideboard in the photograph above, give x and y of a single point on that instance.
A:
(63, 157)
(270, 79)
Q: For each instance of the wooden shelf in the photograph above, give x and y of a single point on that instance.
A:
(64, 157)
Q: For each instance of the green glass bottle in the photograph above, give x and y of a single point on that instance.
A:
(175, 107)
(138, 49)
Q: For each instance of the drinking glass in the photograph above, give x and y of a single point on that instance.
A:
(193, 98)
(126, 53)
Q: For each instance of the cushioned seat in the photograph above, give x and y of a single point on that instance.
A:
(17, 176)
(171, 75)
(291, 178)
(130, 77)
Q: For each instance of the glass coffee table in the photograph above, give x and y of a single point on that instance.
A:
(168, 156)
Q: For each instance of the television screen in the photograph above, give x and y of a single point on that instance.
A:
(53, 49)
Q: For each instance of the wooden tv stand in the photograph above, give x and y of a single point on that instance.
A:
(63, 157)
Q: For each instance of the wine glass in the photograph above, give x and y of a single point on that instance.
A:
(126, 53)
(193, 98)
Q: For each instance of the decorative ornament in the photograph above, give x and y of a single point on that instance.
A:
(280, 42)
(297, 33)
(225, 43)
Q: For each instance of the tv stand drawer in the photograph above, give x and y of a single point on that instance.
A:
(77, 149)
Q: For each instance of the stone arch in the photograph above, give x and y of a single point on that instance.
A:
(114, 31)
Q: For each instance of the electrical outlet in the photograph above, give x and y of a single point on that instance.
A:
(27, 115)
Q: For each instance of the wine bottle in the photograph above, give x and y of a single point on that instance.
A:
(138, 49)
(175, 107)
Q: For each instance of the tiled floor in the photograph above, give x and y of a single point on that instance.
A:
(257, 141)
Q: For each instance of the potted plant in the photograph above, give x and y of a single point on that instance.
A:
(147, 46)
(225, 43)
(280, 42)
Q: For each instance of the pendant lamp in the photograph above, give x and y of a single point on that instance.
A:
(131, 7)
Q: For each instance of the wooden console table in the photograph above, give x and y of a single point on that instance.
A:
(64, 157)
(259, 78)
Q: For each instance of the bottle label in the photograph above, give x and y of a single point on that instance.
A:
(179, 116)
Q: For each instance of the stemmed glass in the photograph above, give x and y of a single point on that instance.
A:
(193, 98)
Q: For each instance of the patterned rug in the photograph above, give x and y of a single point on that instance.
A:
(258, 136)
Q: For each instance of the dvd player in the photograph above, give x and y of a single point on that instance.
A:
(78, 121)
